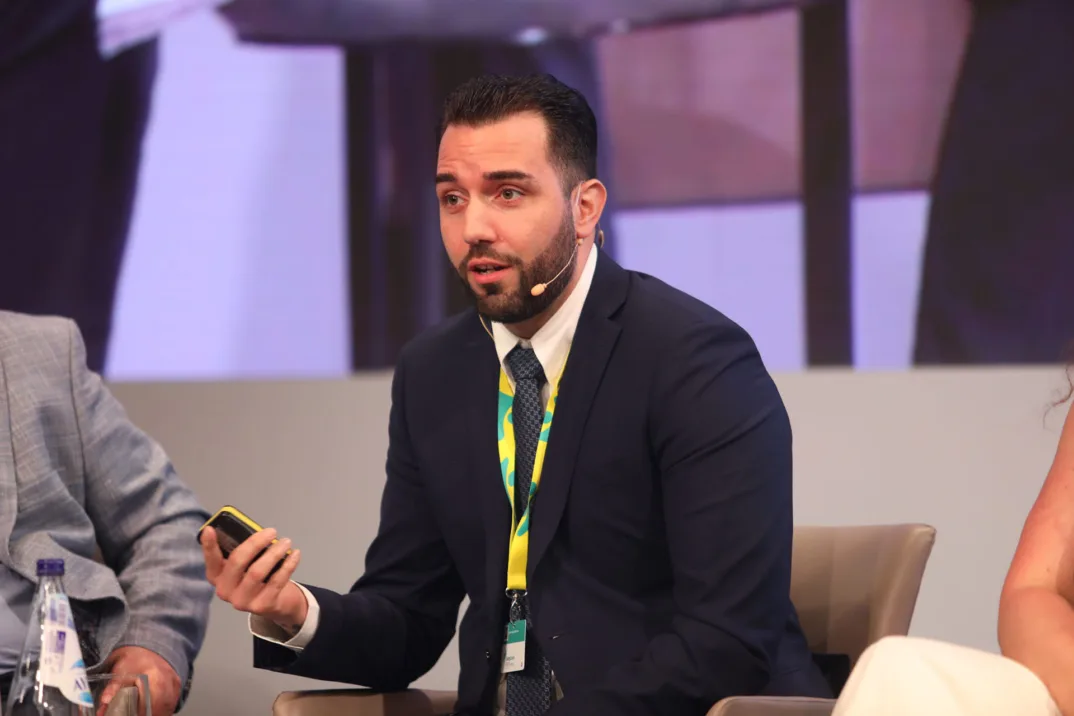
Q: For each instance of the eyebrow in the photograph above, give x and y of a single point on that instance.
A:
(508, 175)
(502, 175)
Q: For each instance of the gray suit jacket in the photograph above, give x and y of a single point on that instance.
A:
(76, 476)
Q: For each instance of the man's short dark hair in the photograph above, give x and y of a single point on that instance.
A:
(572, 127)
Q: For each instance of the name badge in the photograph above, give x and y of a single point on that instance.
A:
(514, 647)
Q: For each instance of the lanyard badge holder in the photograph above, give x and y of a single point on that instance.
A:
(514, 643)
(514, 646)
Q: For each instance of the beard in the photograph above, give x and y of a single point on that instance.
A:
(502, 306)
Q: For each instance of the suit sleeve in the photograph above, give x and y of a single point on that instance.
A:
(722, 440)
(146, 522)
(397, 619)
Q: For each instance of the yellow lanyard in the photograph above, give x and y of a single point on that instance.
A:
(520, 529)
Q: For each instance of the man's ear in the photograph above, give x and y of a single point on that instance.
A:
(588, 208)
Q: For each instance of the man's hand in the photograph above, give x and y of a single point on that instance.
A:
(240, 579)
(164, 685)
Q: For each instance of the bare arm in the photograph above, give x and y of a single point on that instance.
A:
(1036, 619)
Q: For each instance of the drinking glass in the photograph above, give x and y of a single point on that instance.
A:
(131, 698)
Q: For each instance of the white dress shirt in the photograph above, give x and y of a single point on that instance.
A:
(551, 344)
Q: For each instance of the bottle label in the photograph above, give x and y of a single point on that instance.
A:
(61, 657)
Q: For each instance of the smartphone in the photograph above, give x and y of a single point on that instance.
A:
(232, 529)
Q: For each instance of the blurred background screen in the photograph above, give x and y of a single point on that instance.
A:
(869, 183)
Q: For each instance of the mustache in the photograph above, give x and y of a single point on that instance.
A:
(483, 251)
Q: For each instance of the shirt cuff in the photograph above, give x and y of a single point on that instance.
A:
(270, 631)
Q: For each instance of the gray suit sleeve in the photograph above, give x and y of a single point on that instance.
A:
(146, 521)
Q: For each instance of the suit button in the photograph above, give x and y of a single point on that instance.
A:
(488, 656)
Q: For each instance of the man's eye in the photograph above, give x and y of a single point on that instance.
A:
(451, 200)
(511, 194)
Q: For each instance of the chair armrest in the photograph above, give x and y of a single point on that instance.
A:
(773, 706)
(363, 702)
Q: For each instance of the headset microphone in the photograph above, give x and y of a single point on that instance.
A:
(538, 289)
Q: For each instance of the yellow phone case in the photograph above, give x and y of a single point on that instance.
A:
(237, 514)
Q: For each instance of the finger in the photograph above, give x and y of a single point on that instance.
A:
(214, 558)
(160, 707)
(252, 545)
(279, 580)
(253, 582)
(161, 697)
(240, 558)
(163, 701)
(108, 694)
(276, 554)
(266, 601)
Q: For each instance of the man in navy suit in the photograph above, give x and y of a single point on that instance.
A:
(600, 462)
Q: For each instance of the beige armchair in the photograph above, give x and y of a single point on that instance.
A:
(851, 587)
(358, 702)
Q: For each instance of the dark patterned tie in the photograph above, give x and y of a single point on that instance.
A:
(529, 692)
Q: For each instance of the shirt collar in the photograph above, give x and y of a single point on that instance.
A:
(552, 341)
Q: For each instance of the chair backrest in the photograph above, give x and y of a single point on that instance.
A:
(854, 585)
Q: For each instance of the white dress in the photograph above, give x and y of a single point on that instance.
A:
(911, 676)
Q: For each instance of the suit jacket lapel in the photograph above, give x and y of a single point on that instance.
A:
(484, 375)
(593, 343)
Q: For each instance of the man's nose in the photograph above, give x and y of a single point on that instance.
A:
(477, 225)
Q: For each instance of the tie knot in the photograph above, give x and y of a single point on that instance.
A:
(524, 364)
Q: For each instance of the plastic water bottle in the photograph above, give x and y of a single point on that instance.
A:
(50, 679)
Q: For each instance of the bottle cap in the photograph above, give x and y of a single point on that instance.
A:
(50, 568)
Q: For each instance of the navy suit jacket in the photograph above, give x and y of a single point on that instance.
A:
(660, 551)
